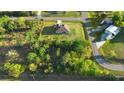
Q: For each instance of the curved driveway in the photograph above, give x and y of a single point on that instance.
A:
(101, 61)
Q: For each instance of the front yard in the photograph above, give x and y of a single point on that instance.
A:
(76, 31)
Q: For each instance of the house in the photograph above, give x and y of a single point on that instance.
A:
(61, 28)
(110, 33)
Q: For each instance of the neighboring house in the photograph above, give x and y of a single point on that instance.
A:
(110, 33)
(61, 28)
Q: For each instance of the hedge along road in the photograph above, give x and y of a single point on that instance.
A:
(87, 26)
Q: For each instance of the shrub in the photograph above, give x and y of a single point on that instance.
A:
(46, 46)
(32, 67)
(36, 45)
(87, 52)
(12, 55)
(38, 60)
(42, 51)
(13, 69)
(78, 46)
(10, 25)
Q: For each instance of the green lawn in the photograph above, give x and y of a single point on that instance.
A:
(76, 31)
(116, 46)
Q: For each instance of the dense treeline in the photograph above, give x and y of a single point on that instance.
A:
(43, 13)
(18, 13)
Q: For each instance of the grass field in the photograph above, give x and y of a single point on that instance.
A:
(116, 46)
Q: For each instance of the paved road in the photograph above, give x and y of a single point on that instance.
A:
(102, 62)
(52, 18)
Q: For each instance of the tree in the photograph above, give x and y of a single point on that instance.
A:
(78, 46)
(67, 59)
(31, 57)
(72, 61)
(13, 69)
(38, 60)
(46, 46)
(30, 37)
(42, 52)
(3, 21)
(10, 25)
(66, 45)
(47, 57)
(117, 18)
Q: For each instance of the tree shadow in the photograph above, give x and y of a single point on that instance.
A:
(116, 60)
(19, 30)
(110, 60)
(49, 30)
